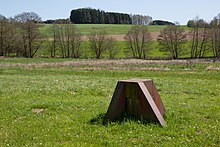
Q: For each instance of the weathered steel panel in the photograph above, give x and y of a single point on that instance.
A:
(137, 97)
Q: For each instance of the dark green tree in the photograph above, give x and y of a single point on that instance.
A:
(93, 16)
(161, 22)
(190, 23)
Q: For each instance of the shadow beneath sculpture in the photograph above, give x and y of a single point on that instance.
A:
(99, 120)
(135, 99)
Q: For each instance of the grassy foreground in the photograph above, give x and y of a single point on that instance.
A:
(55, 102)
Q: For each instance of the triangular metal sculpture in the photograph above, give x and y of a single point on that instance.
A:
(138, 97)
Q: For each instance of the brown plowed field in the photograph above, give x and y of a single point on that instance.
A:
(120, 37)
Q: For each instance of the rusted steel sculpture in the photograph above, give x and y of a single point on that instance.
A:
(137, 97)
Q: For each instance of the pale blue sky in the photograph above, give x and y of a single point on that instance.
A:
(171, 10)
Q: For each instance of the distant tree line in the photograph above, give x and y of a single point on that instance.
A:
(140, 19)
(20, 36)
(161, 22)
(57, 21)
(93, 16)
(197, 22)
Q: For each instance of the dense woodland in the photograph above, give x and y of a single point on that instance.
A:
(93, 16)
(161, 22)
(20, 37)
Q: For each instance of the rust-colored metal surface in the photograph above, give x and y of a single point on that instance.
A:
(137, 97)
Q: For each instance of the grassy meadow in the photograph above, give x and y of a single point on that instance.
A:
(112, 29)
(62, 102)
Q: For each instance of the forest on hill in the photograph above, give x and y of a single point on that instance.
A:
(93, 16)
(97, 16)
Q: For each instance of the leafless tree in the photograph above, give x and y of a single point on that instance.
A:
(200, 36)
(141, 19)
(53, 42)
(215, 24)
(138, 41)
(8, 36)
(112, 48)
(27, 17)
(73, 41)
(3, 24)
(171, 40)
(61, 40)
(100, 42)
(31, 39)
(69, 40)
(205, 44)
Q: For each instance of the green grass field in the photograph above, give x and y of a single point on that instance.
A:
(112, 29)
(61, 102)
